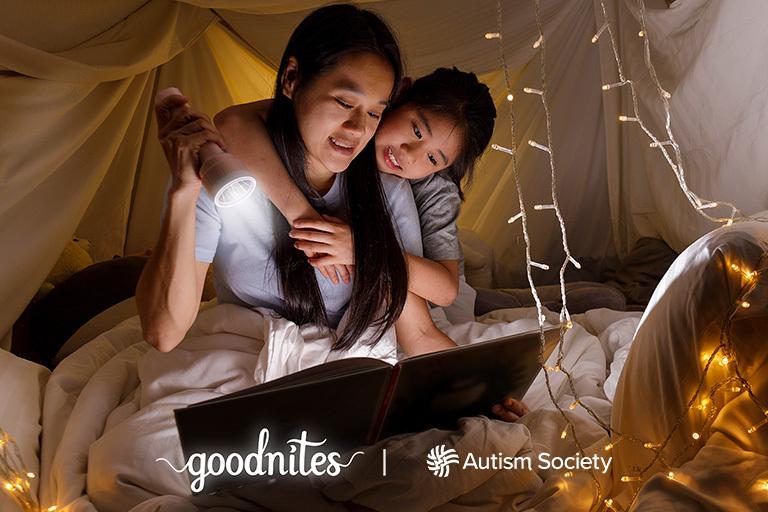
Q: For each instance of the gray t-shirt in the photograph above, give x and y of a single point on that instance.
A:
(240, 243)
(437, 200)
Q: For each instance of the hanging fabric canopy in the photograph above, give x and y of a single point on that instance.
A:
(79, 154)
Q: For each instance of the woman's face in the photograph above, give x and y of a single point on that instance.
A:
(339, 111)
(413, 143)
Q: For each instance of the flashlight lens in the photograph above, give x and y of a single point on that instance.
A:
(235, 191)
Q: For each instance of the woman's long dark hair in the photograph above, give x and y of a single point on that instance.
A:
(380, 283)
(465, 100)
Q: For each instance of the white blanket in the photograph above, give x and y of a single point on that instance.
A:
(108, 416)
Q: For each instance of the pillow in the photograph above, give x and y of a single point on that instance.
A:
(679, 331)
(22, 384)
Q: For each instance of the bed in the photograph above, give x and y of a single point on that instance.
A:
(634, 370)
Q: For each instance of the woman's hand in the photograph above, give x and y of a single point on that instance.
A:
(328, 244)
(510, 410)
(182, 132)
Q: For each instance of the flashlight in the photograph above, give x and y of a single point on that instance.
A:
(223, 176)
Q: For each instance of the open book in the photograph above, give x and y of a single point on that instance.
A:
(357, 401)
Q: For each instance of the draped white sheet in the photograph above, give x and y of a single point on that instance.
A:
(78, 153)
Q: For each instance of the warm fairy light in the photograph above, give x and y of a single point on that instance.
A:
(493, 35)
(553, 369)
(724, 361)
(754, 428)
(536, 145)
(531, 90)
(564, 434)
(625, 119)
(651, 445)
(52, 508)
(671, 475)
(695, 435)
(8, 486)
(641, 33)
(703, 405)
(31, 475)
(599, 32)
(745, 304)
(608, 87)
(508, 151)
(708, 205)
(510, 97)
(574, 405)
(608, 447)
(538, 42)
(569, 325)
(735, 267)
(627, 478)
(735, 389)
(540, 207)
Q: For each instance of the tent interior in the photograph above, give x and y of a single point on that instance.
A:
(661, 212)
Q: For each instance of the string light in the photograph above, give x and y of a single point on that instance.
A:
(608, 87)
(671, 475)
(599, 32)
(510, 97)
(14, 477)
(670, 150)
(493, 35)
(539, 146)
(543, 207)
(537, 43)
(508, 151)
(745, 304)
(674, 156)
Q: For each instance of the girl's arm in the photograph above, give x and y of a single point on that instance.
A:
(416, 333)
(435, 281)
(244, 129)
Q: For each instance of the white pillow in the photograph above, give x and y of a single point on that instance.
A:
(22, 384)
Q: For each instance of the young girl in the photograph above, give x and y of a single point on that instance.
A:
(339, 49)
(442, 124)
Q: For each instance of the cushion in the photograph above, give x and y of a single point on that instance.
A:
(22, 386)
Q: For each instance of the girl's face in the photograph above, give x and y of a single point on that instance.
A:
(339, 111)
(413, 143)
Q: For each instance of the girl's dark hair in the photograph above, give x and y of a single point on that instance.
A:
(459, 96)
(380, 283)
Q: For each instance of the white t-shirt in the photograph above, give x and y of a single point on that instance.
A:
(240, 242)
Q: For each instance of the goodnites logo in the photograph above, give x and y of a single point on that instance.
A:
(440, 458)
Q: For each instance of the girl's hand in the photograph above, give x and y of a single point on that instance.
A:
(510, 410)
(329, 245)
(182, 132)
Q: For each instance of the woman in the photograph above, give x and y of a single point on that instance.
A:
(336, 49)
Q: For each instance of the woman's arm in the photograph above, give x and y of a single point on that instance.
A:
(416, 333)
(435, 281)
(171, 284)
(169, 289)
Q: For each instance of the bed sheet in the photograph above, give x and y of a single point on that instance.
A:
(108, 415)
